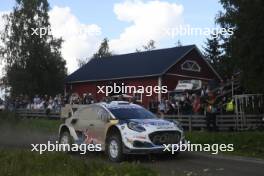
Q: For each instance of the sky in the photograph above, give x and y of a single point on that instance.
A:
(128, 24)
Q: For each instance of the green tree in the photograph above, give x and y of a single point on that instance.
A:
(103, 50)
(213, 53)
(245, 46)
(82, 62)
(33, 62)
(148, 47)
(179, 43)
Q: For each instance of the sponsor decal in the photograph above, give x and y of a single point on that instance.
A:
(90, 138)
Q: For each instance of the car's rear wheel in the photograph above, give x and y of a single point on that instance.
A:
(114, 148)
(65, 138)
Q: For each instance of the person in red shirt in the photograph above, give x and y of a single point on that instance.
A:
(196, 104)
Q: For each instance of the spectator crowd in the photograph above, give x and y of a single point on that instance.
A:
(184, 103)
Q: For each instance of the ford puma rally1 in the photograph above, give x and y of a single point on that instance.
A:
(119, 127)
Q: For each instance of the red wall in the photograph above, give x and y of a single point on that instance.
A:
(206, 72)
(174, 73)
(171, 81)
(91, 87)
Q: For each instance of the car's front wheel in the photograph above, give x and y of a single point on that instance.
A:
(114, 148)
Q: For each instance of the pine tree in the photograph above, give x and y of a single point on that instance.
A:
(245, 46)
(212, 51)
(150, 46)
(103, 50)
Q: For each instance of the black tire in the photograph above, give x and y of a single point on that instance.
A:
(118, 155)
(66, 135)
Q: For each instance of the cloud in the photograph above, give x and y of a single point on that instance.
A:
(149, 21)
(2, 27)
(2, 20)
(80, 40)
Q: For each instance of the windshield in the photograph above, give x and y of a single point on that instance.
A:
(131, 113)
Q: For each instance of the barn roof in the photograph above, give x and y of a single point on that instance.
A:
(140, 64)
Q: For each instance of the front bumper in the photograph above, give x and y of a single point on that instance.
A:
(149, 141)
(148, 150)
(143, 150)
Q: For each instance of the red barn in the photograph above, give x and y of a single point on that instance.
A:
(163, 67)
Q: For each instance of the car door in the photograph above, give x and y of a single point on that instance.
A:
(81, 118)
(98, 124)
(91, 121)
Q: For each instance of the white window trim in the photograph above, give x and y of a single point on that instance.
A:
(190, 69)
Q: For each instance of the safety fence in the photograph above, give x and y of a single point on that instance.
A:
(223, 122)
(27, 113)
(189, 122)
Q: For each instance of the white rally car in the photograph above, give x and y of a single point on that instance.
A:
(120, 127)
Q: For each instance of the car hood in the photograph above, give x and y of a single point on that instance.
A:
(155, 124)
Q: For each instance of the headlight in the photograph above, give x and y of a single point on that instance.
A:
(135, 126)
(178, 124)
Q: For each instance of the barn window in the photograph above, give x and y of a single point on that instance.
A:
(191, 65)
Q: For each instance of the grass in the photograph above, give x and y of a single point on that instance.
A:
(24, 163)
(248, 143)
(8, 119)
(15, 162)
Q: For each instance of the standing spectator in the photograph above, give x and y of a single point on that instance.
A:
(36, 102)
(46, 101)
(153, 106)
(66, 98)
(49, 106)
(196, 105)
(162, 107)
(57, 103)
(230, 106)
(170, 107)
(211, 112)
(221, 105)
(187, 105)
(50, 103)
(74, 98)
(203, 91)
(90, 99)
